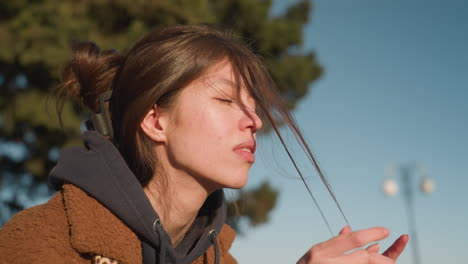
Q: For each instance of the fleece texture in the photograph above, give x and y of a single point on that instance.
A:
(72, 227)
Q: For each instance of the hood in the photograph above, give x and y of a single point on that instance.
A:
(100, 164)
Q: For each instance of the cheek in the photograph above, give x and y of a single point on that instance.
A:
(208, 125)
(203, 135)
(201, 141)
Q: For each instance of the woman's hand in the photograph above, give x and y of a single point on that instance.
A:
(333, 250)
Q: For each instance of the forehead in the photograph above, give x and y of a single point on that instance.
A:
(221, 78)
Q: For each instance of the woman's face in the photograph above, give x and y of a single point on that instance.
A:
(210, 136)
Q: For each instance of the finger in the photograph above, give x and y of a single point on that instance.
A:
(359, 256)
(363, 256)
(375, 258)
(374, 248)
(340, 244)
(394, 251)
(345, 230)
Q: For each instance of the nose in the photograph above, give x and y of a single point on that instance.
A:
(250, 120)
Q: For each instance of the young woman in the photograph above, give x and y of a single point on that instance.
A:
(177, 117)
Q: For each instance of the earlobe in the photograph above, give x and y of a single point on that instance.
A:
(152, 125)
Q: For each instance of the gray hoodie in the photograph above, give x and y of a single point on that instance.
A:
(100, 164)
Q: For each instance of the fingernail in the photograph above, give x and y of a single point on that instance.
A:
(386, 231)
(342, 230)
(375, 247)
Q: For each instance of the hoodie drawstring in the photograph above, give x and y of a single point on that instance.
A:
(213, 235)
(161, 255)
(162, 250)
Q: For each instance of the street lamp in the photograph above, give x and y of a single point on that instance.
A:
(390, 188)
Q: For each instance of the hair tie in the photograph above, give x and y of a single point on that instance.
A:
(101, 121)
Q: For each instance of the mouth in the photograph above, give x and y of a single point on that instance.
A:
(246, 150)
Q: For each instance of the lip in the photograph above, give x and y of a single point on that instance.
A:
(248, 156)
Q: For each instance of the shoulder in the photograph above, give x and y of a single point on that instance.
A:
(38, 220)
(40, 231)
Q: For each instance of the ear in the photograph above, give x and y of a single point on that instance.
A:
(153, 125)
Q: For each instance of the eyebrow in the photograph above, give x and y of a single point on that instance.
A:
(228, 82)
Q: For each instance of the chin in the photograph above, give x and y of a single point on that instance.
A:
(238, 182)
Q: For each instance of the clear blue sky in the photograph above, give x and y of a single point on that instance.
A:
(395, 89)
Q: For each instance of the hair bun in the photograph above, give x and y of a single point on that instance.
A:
(89, 73)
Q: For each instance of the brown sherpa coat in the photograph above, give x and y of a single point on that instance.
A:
(74, 228)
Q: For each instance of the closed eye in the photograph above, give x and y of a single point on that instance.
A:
(227, 101)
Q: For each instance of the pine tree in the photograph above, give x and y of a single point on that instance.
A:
(35, 41)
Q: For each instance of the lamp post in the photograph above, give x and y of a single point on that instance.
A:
(390, 188)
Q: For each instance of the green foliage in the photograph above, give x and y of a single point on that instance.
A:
(36, 36)
(254, 205)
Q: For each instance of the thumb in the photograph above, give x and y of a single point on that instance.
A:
(374, 248)
(345, 230)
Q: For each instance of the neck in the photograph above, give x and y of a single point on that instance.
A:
(178, 203)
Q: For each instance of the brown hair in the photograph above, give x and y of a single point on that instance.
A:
(154, 71)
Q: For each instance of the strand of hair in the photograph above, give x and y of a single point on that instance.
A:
(300, 173)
